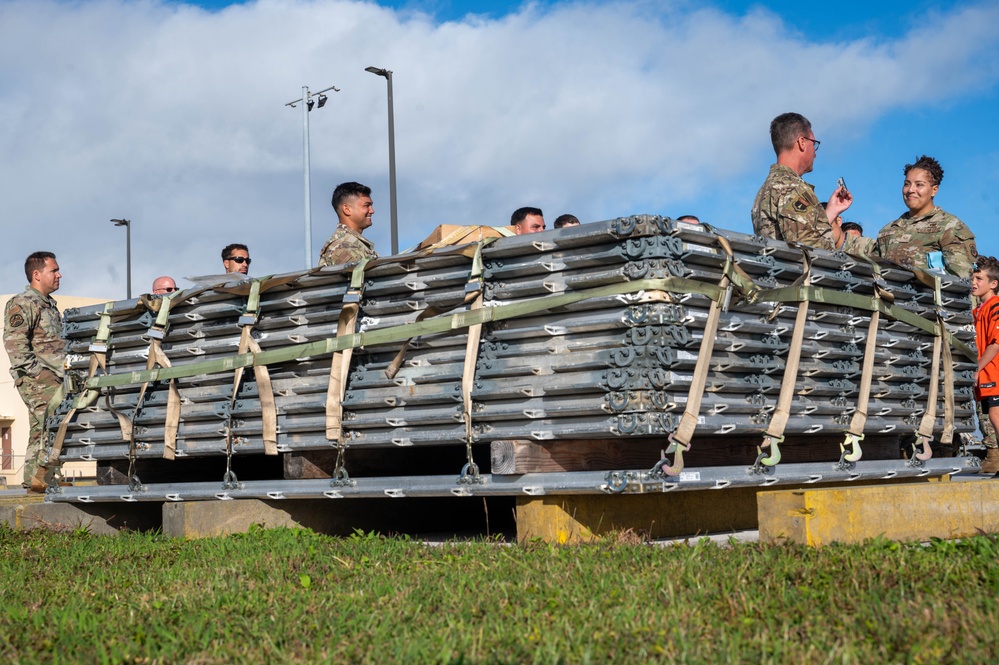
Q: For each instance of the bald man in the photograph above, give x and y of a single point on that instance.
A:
(163, 285)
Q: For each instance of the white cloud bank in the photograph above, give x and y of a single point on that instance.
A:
(174, 117)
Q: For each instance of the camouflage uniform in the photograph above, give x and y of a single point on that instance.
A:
(908, 240)
(786, 208)
(346, 246)
(32, 335)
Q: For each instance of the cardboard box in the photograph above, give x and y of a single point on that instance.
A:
(453, 234)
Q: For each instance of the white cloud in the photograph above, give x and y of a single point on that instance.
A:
(174, 117)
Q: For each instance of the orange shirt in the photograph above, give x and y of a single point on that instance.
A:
(987, 332)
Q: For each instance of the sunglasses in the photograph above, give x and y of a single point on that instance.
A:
(169, 289)
(239, 259)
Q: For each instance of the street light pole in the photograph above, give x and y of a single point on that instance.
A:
(128, 254)
(394, 212)
(307, 104)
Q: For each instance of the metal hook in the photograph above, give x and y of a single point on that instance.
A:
(662, 467)
(927, 452)
(855, 453)
(768, 459)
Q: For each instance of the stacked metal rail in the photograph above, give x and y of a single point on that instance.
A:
(588, 332)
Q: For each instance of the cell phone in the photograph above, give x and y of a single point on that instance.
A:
(842, 183)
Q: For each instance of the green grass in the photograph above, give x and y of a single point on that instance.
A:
(278, 596)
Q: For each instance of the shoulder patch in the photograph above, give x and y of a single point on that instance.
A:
(15, 319)
(801, 205)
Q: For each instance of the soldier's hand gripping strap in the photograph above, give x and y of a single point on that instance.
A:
(340, 364)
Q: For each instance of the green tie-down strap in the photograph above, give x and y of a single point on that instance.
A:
(460, 320)
(436, 325)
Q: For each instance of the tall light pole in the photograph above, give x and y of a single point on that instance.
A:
(307, 104)
(394, 212)
(128, 254)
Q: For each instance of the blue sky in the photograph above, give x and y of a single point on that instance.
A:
(172, 114)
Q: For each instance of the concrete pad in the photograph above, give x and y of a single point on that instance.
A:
(907, 512)
(30, 512)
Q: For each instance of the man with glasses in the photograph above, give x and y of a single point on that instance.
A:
(786, 207)
(163, 285)
(236, 258)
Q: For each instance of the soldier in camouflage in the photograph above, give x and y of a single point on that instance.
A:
(786, 207)
(924, 230)
(32, 335)
(354, 208)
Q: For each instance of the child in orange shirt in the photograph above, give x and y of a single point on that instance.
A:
(984, 286)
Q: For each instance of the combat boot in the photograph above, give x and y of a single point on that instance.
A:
(38, 484)
(990, 465)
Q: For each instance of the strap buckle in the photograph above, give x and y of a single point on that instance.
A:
(248, 319)
(352, 297)
(98, 347)
(155, 333)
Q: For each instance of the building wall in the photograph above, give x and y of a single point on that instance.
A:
(14, 415)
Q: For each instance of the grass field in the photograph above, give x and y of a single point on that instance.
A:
(276, 596)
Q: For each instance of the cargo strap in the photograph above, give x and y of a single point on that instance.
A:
(470, 472)
(155, 357)
(679, 441)
(98, 360)
(262, 376)
(850, 450)
(774, 435)
(340, 368)
(473, 289)
(459, 320)
(941, 354)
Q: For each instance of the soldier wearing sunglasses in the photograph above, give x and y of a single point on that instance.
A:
(236, 258)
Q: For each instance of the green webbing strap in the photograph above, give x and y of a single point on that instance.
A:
(455, 321)
(268, 408)
(855, 433)
(460, 320)
(774, 435)
(157, 357)
(473, 288)
(679, 441)
(98, 359)
(736, 275)
(340, 363)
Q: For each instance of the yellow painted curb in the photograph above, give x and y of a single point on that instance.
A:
(912, 511)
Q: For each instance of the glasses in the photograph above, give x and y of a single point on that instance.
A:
(815, 142)
(169, 289)
(239, 259)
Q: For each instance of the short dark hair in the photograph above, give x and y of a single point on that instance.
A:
(562, 220)
(520, 214)
(929, 165)
(785, 130)
(688, 218)
(36, 261)
(852, 226)
(346, 190)
(988, 265)
(228, 249)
